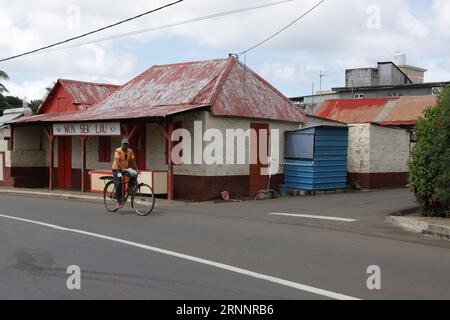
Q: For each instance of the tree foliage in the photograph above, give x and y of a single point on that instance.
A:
(3, 75)
(429, 167)
(34, 105)
(9, 102)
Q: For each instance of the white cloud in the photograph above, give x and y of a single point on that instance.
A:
(441, 10)
(29, 90)
(283, 73)
(332, 38)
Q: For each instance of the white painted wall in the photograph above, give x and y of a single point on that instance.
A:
(4, 133)
(377, 149)
(222, 124)
(156, 147)
(92, 162)
(27, 149)
(27, 138)
(389, 149)
(359, 148)
(25, 159)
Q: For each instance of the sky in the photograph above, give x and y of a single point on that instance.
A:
(339, 34)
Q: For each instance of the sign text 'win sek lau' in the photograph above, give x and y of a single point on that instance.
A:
(86, 129)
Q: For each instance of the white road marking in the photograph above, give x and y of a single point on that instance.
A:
(312, 217)
(287, 283)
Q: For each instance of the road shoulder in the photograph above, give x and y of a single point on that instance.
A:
(437, 227)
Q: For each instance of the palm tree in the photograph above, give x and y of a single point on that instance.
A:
(3, 75)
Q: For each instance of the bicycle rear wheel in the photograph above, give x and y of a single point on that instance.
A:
(143, 200)
(109, 197)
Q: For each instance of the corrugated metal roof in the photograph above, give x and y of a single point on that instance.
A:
(244, 93)
(87, 93)
(9, 117)
(176, 84)
(408, 110)
(385, 111)
(165, 90)
(84, 94)
(118, 114)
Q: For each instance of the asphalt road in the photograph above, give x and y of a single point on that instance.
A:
(219, 251)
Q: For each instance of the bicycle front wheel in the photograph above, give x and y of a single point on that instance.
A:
(109, 197)
(143, 200)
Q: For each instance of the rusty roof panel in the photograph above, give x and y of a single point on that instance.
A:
(352, 110)
(87, 93)
(165, 90)
(245, 94)
(111, 115)
(385, 111)
(168, 85)
(408, 110)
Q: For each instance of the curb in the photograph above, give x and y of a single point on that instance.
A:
(417, 226)
(65, 196)
(70, 196)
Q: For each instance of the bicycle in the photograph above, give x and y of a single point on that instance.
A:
(142, 196)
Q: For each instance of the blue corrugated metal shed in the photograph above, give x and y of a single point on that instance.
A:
(316, 158)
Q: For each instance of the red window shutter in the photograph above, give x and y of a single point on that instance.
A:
(104, 149)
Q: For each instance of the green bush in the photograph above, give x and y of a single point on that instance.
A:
(429, 167)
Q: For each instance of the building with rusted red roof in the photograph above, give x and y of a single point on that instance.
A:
(24, 167)
(380, 136)
(221, 95)
(392, 111)
(73, 96)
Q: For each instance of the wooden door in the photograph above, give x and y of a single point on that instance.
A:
(257, 180)
(139, 146)
(65, 162)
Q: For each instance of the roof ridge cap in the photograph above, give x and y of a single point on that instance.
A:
(62, 80)
(231, 62)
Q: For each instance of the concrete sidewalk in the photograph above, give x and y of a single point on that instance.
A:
(438, 227)
(72, 195)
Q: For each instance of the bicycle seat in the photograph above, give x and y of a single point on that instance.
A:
(107, 178)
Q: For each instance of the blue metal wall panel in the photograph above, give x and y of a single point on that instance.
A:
(300, 145)
(327, 169)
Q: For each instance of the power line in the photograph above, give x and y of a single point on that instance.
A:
(175, 24)
(283, 29)
(92, 32)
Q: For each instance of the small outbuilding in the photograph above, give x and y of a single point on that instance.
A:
(316, 158)
(381, 136)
